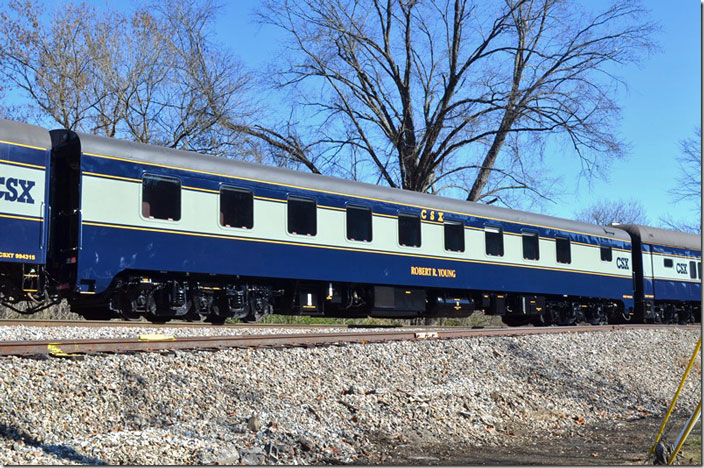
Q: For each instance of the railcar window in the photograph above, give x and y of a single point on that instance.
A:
(236, 207)
(606, 253)
(531, 249)
(693, 270)
(667, 262)
(359, 223)
(699, 269)
(564, 249)
(454, 236)
(302, 216)
(161, 197)
(409, 230)
(494, 237)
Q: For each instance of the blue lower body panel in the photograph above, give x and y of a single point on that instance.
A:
(108, 251)
(677, 291)
(21, 240)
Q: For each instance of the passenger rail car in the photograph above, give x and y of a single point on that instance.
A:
(24, 206)
(138, 230)
(668, 277)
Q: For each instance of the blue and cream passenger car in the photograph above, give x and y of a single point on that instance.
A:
(669, 275)
(169, 233)
(24, 159)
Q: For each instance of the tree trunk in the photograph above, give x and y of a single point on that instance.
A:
(489, 160)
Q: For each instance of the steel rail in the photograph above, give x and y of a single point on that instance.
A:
(147, 324)
(163, 342)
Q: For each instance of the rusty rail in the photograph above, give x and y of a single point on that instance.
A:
(146, 324)
(163, 342)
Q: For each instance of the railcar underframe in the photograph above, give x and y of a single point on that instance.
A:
(161, 296)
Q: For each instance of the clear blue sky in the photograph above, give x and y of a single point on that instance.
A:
(661, 106)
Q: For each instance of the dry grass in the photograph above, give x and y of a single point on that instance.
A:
(57, 312)
(478, 319)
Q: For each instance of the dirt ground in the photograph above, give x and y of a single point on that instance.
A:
(625, 443)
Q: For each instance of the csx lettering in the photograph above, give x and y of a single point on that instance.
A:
(622, 263)
(17, 256)
(682, 268)
(11, 193)
(432, 215)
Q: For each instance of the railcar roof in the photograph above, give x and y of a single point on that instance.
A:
(24, 134)
(653, 235)
(223, 166)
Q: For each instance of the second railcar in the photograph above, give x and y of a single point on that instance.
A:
(166, 233)
(668, 275)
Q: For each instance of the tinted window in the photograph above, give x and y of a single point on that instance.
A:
(564, 250)
(409, 230)
(161, 197)
(667, 262)
(359, 223)
(454, 237)
(699, 269)
(693, 270)
(530, 246)
(236, 208)
(494, 238)
(301, 216)
(606, 253)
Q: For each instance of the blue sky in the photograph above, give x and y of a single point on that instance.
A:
(661, 106)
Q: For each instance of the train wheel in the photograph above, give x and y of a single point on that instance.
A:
(97, 314)
(258, 313)
(216, 320)
(259, 307)
(156, 319)
(129, 316)
(516, 321)
(543, 320)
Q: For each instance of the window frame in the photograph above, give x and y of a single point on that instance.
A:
(606, 248)
(408, 215)
(347, 222)
(569, 249)
(526, 234)
(151, 175)
(459, 224)
(232, 188)
(308, 200)
(492, 229)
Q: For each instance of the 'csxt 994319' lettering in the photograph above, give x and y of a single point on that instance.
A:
(16, 190)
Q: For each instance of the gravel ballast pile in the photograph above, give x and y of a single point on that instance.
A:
(333, 404)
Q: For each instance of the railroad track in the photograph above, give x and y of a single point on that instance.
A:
(140, 323)
(150, 343)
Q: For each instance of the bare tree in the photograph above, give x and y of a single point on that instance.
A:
(426, 95)
(152, 74)
(51, 64)
(688, 187)
(692, 225)
(689, 182)
(605, 212)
